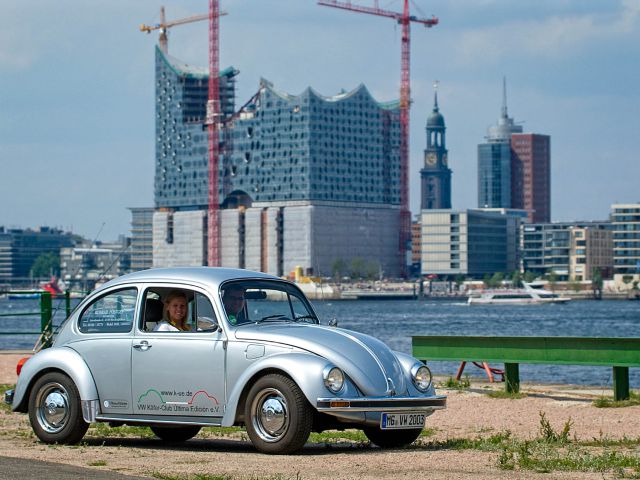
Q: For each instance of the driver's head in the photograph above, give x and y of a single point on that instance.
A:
(233, 299)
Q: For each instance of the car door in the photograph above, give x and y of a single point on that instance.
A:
(180, 373)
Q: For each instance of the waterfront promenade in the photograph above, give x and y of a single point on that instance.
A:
(471, 414)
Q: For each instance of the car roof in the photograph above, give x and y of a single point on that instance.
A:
(208, 276)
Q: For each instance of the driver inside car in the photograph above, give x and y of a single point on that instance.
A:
(234, 304)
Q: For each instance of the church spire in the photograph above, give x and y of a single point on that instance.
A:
(504, 97)
(435, 96)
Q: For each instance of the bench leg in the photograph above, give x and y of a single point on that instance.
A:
(460, 370)
(512, 377)
(620, 383)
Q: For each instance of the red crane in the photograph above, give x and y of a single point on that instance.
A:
(213, 121)
(405, 20)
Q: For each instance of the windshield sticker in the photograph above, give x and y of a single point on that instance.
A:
(176, 401)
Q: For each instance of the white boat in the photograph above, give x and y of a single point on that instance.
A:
(517, 296)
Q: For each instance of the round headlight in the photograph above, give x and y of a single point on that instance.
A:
(421, 377)
(333, 379)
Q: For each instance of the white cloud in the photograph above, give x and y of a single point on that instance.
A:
(553, 37)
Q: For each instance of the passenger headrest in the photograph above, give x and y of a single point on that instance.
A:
(153, 310)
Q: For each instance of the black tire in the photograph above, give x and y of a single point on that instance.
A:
(392, 438)
(176, 434)
(277, 415)
(55, 412)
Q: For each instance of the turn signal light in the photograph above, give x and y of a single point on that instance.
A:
(20, 364)
(339, 403)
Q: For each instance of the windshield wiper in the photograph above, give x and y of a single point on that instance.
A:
(278, 316)
(313, 318)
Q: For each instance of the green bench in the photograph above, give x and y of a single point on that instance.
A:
(619, 353)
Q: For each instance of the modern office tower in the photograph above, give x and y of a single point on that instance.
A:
(141, 238)
(625, 218)
(572, 251)
(313, 180)
(19, 249)
(469, 242)
(181, 176)
(514, 169)
(436, 174)
(416, 244)
(531, 175)
(305, 180)
(88, 265)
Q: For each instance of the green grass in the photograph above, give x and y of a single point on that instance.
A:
(98, 463)
(505, 394)
(3, 406)
(604, 402)
(454, 384)
(554, 450)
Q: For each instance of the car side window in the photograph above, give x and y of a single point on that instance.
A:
(196, 315)
(112, 313)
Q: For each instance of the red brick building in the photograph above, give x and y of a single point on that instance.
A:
(531, 175)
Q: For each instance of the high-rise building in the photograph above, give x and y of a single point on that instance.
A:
(305, 180)
(469, 242)
(436, 174)
(531, 175)
(625, 218)
(89, 264)
(19, 249)
(141, 238)
(571, 250)
(514, 169)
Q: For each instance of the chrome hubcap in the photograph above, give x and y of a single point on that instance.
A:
(270, 417)
(53, 407)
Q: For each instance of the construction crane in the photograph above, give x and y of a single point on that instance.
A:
(163, 26)
(404, 19)
(213, 121)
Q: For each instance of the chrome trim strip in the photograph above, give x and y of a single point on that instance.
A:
(383, 404)
(90, 409)
(171, 420)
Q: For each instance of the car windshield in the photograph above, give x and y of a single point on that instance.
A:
(263, 301)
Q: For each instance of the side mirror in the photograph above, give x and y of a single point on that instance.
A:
(207, 324)
(333, 322)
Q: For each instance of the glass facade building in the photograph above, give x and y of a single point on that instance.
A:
(181, 176)
(625, 219)
(343, 148)
(494, 175)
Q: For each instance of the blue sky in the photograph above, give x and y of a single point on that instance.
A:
(77, 99)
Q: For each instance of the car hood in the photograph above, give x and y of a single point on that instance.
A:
(368, 362)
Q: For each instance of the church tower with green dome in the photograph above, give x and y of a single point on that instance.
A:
(436, 174)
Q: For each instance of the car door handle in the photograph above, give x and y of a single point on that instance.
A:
(143, 345)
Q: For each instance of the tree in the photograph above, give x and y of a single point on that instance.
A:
(496, 280)
(487, 280)
(357, 268)
(46, 265)
(372, 270)
(596, 284)
(516, 279)
(338, 268)
(529, 277)
(552, 278)
(459, 279)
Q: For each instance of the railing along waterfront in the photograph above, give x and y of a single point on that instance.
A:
(618, 353)
(46, 314)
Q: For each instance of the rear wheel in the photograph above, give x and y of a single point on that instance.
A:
(176, 434)
(277, 415)
(392, 438)
(55, 412)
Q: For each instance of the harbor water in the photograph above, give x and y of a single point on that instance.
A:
(395, 321)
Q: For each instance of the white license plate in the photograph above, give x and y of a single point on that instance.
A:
(391, 421)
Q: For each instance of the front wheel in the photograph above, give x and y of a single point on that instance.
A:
(55, 412)
(392, 438)
(277, 415)
(176, 434)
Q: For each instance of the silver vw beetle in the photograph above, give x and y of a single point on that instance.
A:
(178, 349)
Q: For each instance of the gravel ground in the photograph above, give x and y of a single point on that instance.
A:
(469, 414)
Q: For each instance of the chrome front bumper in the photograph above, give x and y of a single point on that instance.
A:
(8, 397)
(382, 404)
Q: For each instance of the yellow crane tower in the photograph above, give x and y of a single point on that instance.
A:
(163, 26)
